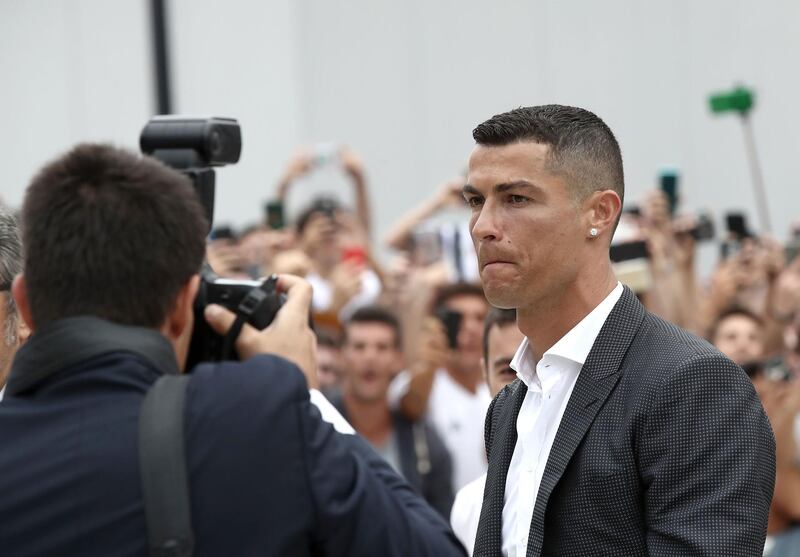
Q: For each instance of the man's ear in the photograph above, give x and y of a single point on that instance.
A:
(23, 331)
(603, 209)
(182, 315)
(19, 291)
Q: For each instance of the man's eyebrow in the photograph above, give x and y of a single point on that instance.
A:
(501, 188)
(501, 360)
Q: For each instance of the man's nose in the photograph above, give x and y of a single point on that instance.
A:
(484, 227)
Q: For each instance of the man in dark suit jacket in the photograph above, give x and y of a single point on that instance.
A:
(113, 244)
(623, 435)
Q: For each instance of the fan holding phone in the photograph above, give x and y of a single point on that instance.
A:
(334, 239)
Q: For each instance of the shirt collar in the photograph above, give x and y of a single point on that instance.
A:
(574, 346)
(67, 342)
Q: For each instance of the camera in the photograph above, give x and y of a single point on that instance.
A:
(195, 145)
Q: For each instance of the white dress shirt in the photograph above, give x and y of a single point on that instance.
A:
(466, 512)
(550, 382)
(329, 413)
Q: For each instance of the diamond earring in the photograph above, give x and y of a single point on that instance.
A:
(593, 232)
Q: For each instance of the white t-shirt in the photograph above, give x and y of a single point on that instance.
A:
(323, 293)
(466, 512)
(458, 417)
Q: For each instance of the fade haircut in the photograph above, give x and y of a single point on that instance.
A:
(496, 317)
(376, 314)
(582, 147)
(111, 234)
(10, 266)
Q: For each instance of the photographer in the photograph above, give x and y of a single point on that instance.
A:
(113, 247)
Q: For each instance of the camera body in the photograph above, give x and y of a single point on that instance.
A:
(195, 145)
(255, 302)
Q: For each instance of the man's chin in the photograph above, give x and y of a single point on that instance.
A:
(499, 297)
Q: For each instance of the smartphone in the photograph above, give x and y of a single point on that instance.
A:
(703, 231)
(629, 251)
(452, 324)
(669, 185)
(633, 210)
(325, 153)
(273, 213)
(426, 248)
(355, 254)
(736, 223)
(222, 233)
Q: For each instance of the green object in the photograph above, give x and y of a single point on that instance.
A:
(273, 212)
(739, 100)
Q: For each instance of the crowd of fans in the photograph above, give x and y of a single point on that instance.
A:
(411, 352)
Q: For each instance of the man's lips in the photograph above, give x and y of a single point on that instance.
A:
(494, 262)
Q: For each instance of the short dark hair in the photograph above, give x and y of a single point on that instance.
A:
(582, 147)
(376, 314)
(328, 338)
(110, 234)
(322, 204)
(732, 311)
(496, 317)
(449, 291)
(10, 266)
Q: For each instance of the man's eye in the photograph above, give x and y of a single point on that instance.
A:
(474, 201)
(517, 199)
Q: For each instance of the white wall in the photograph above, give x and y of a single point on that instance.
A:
(69, 71)
(405, 82)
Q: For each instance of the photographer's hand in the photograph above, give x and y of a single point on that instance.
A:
(289, 335)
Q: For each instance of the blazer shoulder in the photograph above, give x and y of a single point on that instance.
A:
(263, 381)
(662, 341)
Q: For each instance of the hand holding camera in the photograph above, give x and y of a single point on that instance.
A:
(289, 335)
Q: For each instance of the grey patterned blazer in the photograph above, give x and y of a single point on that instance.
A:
(664, 449)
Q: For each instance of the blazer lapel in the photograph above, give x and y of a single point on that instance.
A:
(595, 382)
(488, 539)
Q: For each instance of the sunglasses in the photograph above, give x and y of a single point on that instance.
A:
(5, 286)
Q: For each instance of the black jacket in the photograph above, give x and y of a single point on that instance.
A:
(267, 476)
(424, 460)
(663, 450)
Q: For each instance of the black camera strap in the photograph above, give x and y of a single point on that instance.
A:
(162, 466)
(248, 306)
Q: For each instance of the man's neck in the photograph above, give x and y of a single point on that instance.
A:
(370, 418)
(466, 378)
(323, 264)
(545, 324)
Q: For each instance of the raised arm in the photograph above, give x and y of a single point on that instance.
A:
(300, 163)
(449, 193)
(354, 167)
